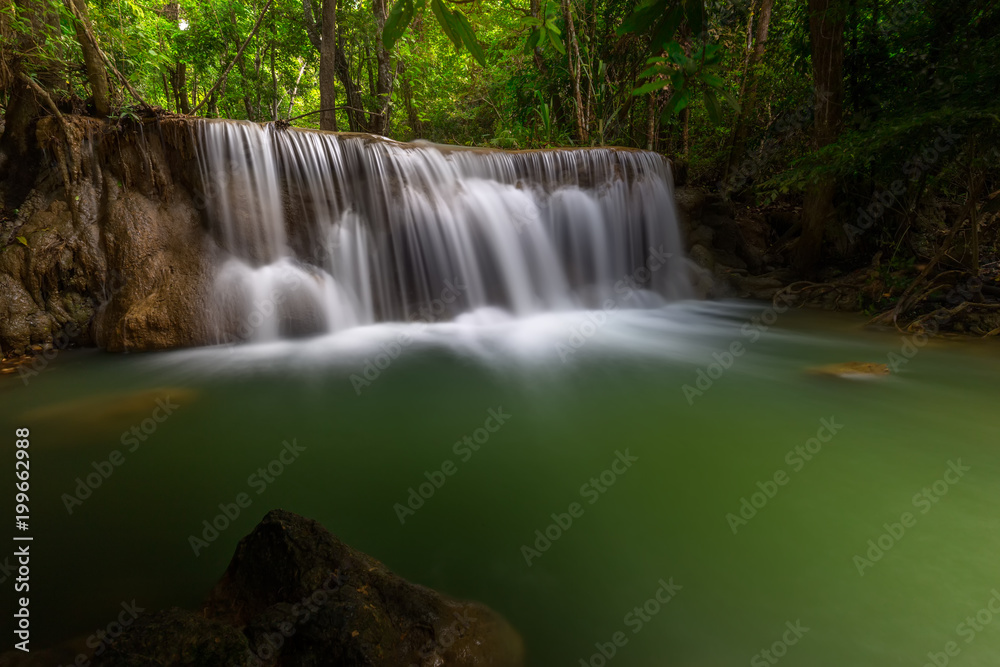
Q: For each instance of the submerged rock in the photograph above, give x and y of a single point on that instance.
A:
(296, 595)
(852, 370)
(111, 413)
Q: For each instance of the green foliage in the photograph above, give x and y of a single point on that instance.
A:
(688, 74)
(544, 29)
(452, 21)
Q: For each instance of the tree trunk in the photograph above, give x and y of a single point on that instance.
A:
(96, 74)
(651, 121)
(826, 29)
(573, 59)
(328, 68)
(537, 51)
(749, 101)
(332, 63)
(355, 107)
(384, 79)
(411, 112)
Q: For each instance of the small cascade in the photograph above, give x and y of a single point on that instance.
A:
(322, 232)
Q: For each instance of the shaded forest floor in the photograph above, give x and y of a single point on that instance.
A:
(925, 279)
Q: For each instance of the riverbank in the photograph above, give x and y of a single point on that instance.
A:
(745, 252)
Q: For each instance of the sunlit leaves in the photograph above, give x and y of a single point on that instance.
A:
(464, 28)
(452, 21)
(397, 22)
(651, 86)
(545, 31)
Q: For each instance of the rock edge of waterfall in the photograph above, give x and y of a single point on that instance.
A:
(295, 595)
(110, 248)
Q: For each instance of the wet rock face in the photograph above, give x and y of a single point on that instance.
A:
(158, 299)
(113, 250)
(295, 595)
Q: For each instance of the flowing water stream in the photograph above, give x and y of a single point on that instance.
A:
(829, 522)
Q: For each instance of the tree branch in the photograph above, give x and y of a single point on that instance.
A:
(342, 106)
(239, 54)
(46, 98)
(310, 21)
(104, 57)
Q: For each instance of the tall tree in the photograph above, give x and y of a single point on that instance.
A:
(379, 123)
(325, 41)
(575, 63)
(826, 32)
(751, 81)
(97, 75)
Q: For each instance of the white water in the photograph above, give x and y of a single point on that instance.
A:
(321, 232)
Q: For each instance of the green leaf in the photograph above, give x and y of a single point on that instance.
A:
(445, 18)
(676, 53)
(643, 17)
(533, 39)
(713, 107)
(395, 25)
(23, 241)
(677, 101)
(665, 29)
(556, 42)
(651, 86)
(464, 29)
(712, 80)
(651, 71)
(730, 99)
(695, 11)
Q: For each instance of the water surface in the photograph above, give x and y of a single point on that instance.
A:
(577, 396)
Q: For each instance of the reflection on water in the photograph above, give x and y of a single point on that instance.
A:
(778, 515)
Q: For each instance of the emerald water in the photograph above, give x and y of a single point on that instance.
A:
(791, 564)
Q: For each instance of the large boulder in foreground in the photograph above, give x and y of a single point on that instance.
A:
(296, 595)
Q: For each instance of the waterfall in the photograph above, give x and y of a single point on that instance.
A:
(320, 232)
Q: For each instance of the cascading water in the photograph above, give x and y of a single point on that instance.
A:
(321, 232)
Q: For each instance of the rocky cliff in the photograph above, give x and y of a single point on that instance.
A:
(108, 247)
